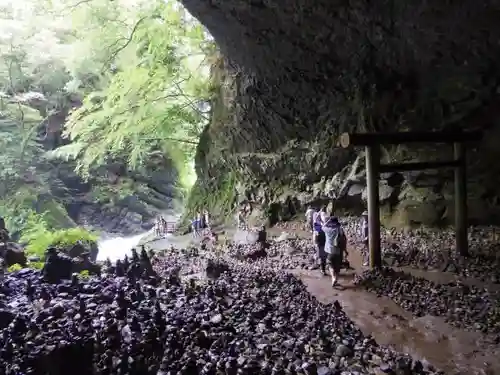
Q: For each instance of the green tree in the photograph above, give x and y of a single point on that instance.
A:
(141, 72)
(154, 85)
(32, 75)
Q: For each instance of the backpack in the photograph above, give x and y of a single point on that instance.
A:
(339, 239)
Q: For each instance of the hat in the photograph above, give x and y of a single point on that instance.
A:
(365, 213)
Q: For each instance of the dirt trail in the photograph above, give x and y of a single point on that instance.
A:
(453, 350)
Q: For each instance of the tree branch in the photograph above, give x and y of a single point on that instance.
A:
(127, 43)
(190, 102)
(171, 139)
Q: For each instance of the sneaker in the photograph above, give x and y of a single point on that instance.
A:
(334, 282)
(365, 264)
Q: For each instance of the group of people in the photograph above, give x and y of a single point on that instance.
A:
(200, 223)
(161, 227)
(330, 240)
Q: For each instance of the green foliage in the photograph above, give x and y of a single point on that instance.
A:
(154, 94)
(33, 265)
(84, 274)
(39, 240)
(32, 75)
(141, 71)
(14, 268)
(218, 199)
(36, 265)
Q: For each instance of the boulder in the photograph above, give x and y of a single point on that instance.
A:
(59, 266)
(13, 253)
(81, 249)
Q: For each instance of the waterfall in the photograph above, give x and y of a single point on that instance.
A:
(117, 247)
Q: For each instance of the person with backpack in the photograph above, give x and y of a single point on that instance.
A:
(335, 246)
(195, 225)
(365, 252)
(319, 241)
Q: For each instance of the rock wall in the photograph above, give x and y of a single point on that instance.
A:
(297, 74)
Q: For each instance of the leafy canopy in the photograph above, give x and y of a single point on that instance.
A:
(32, 74)
(38, 242)
(138, 67)
(154, 86)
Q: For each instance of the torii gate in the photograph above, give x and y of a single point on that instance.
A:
(372, 142)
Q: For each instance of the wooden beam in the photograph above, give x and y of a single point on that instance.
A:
(369, 139)
(399, 167)
(461, 238)
(372, 154)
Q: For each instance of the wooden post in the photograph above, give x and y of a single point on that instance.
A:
(460, 201)
(372, 154)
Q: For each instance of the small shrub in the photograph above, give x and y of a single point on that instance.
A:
(84, 274)
(14, 268)
(39, 241)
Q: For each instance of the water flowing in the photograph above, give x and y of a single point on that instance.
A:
(117, 247)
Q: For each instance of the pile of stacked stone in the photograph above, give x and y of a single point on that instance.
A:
(435, 249)
(135, 320)
(463, 306)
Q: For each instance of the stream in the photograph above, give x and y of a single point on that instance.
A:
(116, 248)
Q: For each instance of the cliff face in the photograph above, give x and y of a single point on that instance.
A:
(298, 74)
(115, 199)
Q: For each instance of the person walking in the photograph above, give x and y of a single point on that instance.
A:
(335, 246)
(323, 215)
(319, 242)
(206, 218)
(317, 225)
(309, 219)
(195, 225)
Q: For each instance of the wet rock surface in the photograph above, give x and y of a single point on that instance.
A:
(461, 305)
(139, 319)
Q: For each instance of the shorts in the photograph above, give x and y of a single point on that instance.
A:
(335, 262)
(317, 227)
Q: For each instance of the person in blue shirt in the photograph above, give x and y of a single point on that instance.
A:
(195, 224)
(335, 246)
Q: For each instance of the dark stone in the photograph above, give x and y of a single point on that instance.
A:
(13, 253)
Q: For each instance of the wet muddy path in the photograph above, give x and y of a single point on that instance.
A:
(429, 338)
(450, 349)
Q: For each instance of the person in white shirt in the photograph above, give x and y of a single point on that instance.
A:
(317, 224)
(323, 215)
(309, 218)
(206, 218)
